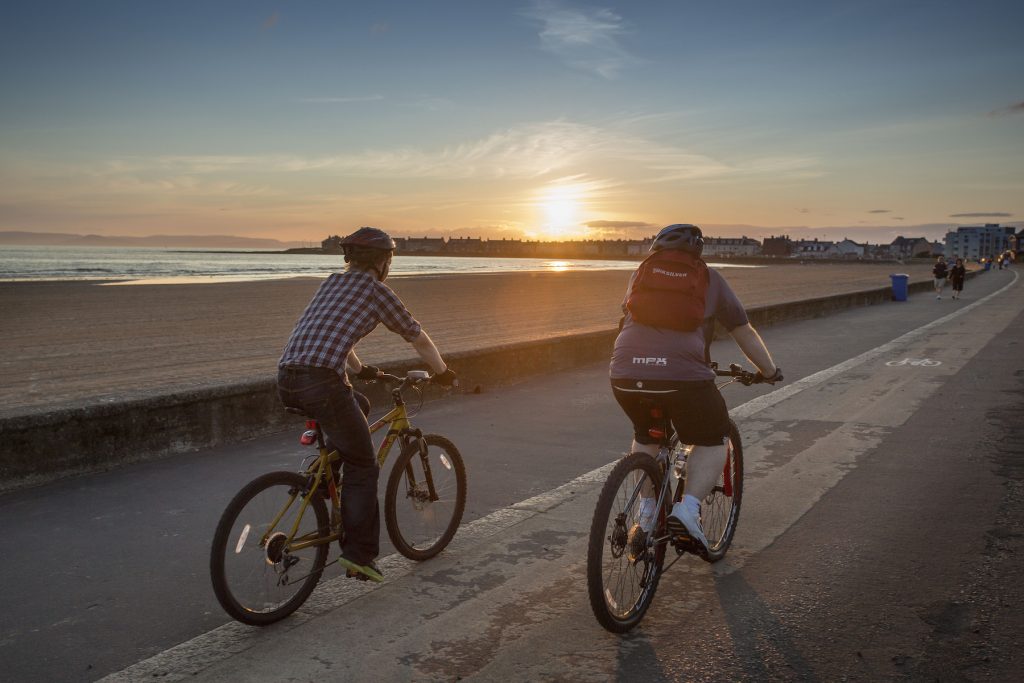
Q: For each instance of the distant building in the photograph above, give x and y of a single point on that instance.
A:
(332, 243)
(420, 245)
(850, 249)
(815, 249)
(777, 246)
(464, 245)
(731, 246)
(973, 243)
(909, 247)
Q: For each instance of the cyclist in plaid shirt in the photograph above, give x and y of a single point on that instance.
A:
(312, 377)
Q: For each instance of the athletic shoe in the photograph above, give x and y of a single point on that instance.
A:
(682, 522)
(363, 572)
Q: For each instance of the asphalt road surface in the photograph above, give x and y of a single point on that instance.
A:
(880, 535)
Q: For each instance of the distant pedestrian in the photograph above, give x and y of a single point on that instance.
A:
(940, 274)
(957, 275)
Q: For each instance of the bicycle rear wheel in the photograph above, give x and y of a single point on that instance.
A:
(425, 497)
(259, 575)
(623, 568)
(720, 509)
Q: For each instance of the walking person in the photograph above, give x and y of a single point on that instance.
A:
(312, 377)
(957, 275)
(940, 274)
(661, 354)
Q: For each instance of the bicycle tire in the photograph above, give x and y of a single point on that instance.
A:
(617, 603)
(238, 557)
(720, 511)
(418, 527)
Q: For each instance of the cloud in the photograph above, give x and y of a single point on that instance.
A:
(380, 27)
(340, 100)
(1017, 108)
(880, 211)
(618, 224)
(271, 21)
(584, 38)
(981, 214)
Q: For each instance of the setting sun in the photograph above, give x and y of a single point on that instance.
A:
(562, 207)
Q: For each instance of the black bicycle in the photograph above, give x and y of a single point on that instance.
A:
(624, 562)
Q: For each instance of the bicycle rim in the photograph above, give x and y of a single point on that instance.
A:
(720, 509)
(622, 576)
(422, 519)
(258, 576)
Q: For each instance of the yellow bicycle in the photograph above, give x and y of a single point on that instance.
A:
(271, 544)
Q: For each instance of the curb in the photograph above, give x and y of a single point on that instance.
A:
(36, 448)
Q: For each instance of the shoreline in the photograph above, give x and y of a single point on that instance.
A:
(69, 343)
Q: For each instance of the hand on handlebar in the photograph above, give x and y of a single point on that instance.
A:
(761, 379)
(368, 372)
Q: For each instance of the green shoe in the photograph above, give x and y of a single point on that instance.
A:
(363, 572)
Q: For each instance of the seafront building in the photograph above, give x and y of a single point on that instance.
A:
(973, 243)
(968, 242)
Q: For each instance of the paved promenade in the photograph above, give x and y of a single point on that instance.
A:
(881, 518)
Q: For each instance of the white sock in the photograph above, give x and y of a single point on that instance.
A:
(648, 508)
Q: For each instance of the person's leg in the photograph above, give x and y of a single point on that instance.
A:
(638, 412)
(349, 434)
(704, 422)
(322, 394)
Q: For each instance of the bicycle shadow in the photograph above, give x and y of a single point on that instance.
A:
(762, 647)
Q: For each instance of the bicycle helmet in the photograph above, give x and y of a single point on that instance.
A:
(681, 236)
(365, 248)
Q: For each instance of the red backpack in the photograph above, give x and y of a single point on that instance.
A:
(669, 291)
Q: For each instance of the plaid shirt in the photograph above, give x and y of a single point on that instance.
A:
(346, 308)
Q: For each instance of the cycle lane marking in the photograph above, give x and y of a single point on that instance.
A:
(196, 655)
(760, 403)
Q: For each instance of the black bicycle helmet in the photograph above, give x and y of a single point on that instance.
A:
(366, 246)
(681, 236)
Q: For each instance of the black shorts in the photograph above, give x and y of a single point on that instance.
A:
(697, 410)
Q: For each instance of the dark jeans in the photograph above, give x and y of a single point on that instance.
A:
(325, 397)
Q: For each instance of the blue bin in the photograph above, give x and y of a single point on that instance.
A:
(899, 286)
(988, 265)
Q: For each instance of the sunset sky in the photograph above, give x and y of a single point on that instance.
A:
(295, 120)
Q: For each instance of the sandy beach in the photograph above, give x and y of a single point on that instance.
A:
(65, 344)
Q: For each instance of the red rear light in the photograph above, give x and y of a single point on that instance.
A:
(657, 412)
(308, 438)
(310, 424)
(656, 433)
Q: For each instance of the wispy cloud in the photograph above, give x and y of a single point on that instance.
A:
(602, 160)
(981, 214)
(340, 100)
(584, 38)
(880, 211)
(271, 21)
(618, 224)
(1017, 108)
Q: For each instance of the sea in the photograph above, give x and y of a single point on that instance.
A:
(133, 265)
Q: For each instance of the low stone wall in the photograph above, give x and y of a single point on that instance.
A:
(37, 447)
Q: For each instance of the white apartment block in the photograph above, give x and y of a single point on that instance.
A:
(731, 246)
(973, 243)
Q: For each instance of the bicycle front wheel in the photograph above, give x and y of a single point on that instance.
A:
(425, 497)
(624, 562)
(266, 558)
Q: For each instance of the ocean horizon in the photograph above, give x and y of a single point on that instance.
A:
(139, 265)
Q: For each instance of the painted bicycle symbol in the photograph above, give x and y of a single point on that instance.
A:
(919, 362)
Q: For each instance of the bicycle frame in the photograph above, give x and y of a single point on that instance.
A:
(398, 420)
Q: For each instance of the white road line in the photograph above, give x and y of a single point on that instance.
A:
(768, 400)
(193, 656)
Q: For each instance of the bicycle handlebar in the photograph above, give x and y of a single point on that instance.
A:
(412, 378)
(746, 377)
